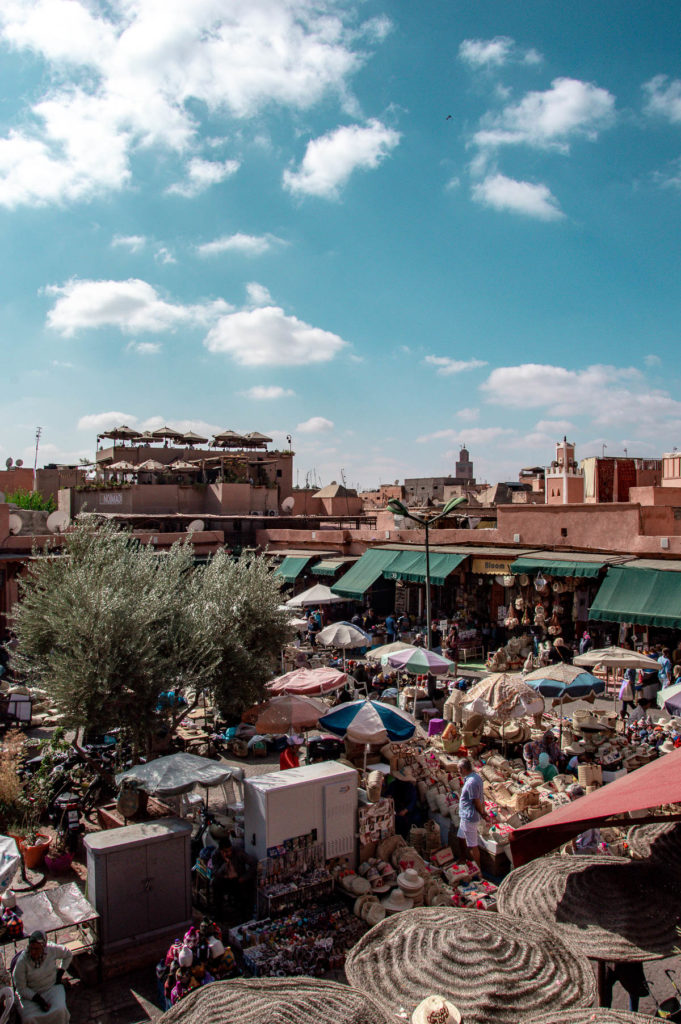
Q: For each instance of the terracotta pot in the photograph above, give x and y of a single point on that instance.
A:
(33, 855)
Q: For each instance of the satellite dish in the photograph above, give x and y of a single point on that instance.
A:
(19, 463)
(9, 463)
(196, 526)
(15, 523)
(287, 504)
(57, 521)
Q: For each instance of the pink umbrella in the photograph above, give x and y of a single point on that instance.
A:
(417, 661)
(309, 681)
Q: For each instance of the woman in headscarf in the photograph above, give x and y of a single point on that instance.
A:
(548, 770)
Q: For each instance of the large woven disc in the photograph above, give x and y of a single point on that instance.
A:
(592, 1015)
(609, 908)
(660, 843)
(494, 969)
(275, 1001)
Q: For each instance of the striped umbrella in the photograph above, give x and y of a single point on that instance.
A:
(367, 721)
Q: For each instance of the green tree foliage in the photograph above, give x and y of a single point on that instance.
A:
(109, 624)
(32, 500)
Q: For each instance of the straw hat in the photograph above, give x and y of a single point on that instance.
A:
(373, 913)
(608, 908)
(436, 1010)
(667, 747)
(276, 1001)
(659, 844)
(576, 747)
(410, 881)
(396, 902)
(356, 884)
(404, 774)
(495, 969)
(9, 900)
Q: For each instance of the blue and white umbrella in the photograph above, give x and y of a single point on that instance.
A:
(367, 721)
(564, 682)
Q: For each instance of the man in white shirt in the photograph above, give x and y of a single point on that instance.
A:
(41, 997)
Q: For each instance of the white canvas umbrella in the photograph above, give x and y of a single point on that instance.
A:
(319, 594)
(343, 635)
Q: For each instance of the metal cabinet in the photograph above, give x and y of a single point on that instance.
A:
(139, 880)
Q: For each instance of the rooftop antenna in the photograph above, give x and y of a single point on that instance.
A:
(603, 447)
(347, 500)
(38, 432)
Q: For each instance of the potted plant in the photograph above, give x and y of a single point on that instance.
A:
(33, 844)
(59, 860)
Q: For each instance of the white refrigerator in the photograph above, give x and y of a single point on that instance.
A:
(287, 805)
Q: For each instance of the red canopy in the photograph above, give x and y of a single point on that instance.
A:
(650, 787)
(309, 681)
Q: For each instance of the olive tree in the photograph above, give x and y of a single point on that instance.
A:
(109, 623)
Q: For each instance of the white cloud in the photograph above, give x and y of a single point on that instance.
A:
(315, 425)
(550, 119)
(201, 174)
(472, 435)
(488, 53)
(502, 193)
(469, 414)
(268, 392)
(248, 245)
(266, 336)
(330, 160)
(652, 360)
(100, 421)
(664, 98)
(145, 348)
(606, 395)
(258, 295)
(446, 366)
(554, 426)
(164, 255)
(132, 242)
(131, 305)
(146, 74)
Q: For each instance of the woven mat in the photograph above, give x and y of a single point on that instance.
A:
(491, 967)
(275, 1001)
(660, 843)
(592, 1015)
(608, 908)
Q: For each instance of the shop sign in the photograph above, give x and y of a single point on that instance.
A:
(111, 498)
(491, 566)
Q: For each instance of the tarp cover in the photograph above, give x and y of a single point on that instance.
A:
(647, 597)
(649, 787)
(362, 574)
(411, 566)
(291, 567)
(178, 773)
(557, 566)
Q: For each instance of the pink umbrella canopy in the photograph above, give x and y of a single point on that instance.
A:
(290, 712)
(418, 661)
(309, 681)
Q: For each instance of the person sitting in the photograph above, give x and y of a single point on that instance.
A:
(37, 981)
(548, 770)
(232, 871)
(289, 757)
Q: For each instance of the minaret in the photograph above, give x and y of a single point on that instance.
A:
(564, 483)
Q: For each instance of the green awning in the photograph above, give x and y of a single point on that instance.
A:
(328, 566)
(363, 573)
(557, 566)
(411, 566)
(292, 566)
(647, 597)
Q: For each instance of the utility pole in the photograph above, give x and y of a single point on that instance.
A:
(35, 462)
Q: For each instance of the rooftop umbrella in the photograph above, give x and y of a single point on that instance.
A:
(121, 433)
(122, 467)
(191, 438)
(169, 432)
(367, 721)
(147, 438)
(290, 713)
(379, 653)
(151, 466)
(318, 594)
(504, 696)
(418, 661)
(182, 466)
(309, 681)
(257, 438)
(228, 438)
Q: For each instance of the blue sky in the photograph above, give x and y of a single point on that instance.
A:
(382, 228)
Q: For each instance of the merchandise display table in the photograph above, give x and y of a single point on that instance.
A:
(63, 914)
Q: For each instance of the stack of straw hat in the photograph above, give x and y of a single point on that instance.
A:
(494, 968)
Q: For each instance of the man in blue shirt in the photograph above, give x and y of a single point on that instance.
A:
(471, 808)
(391, 628)
(665, 672)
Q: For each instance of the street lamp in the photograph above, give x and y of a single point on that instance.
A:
(398, 509)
